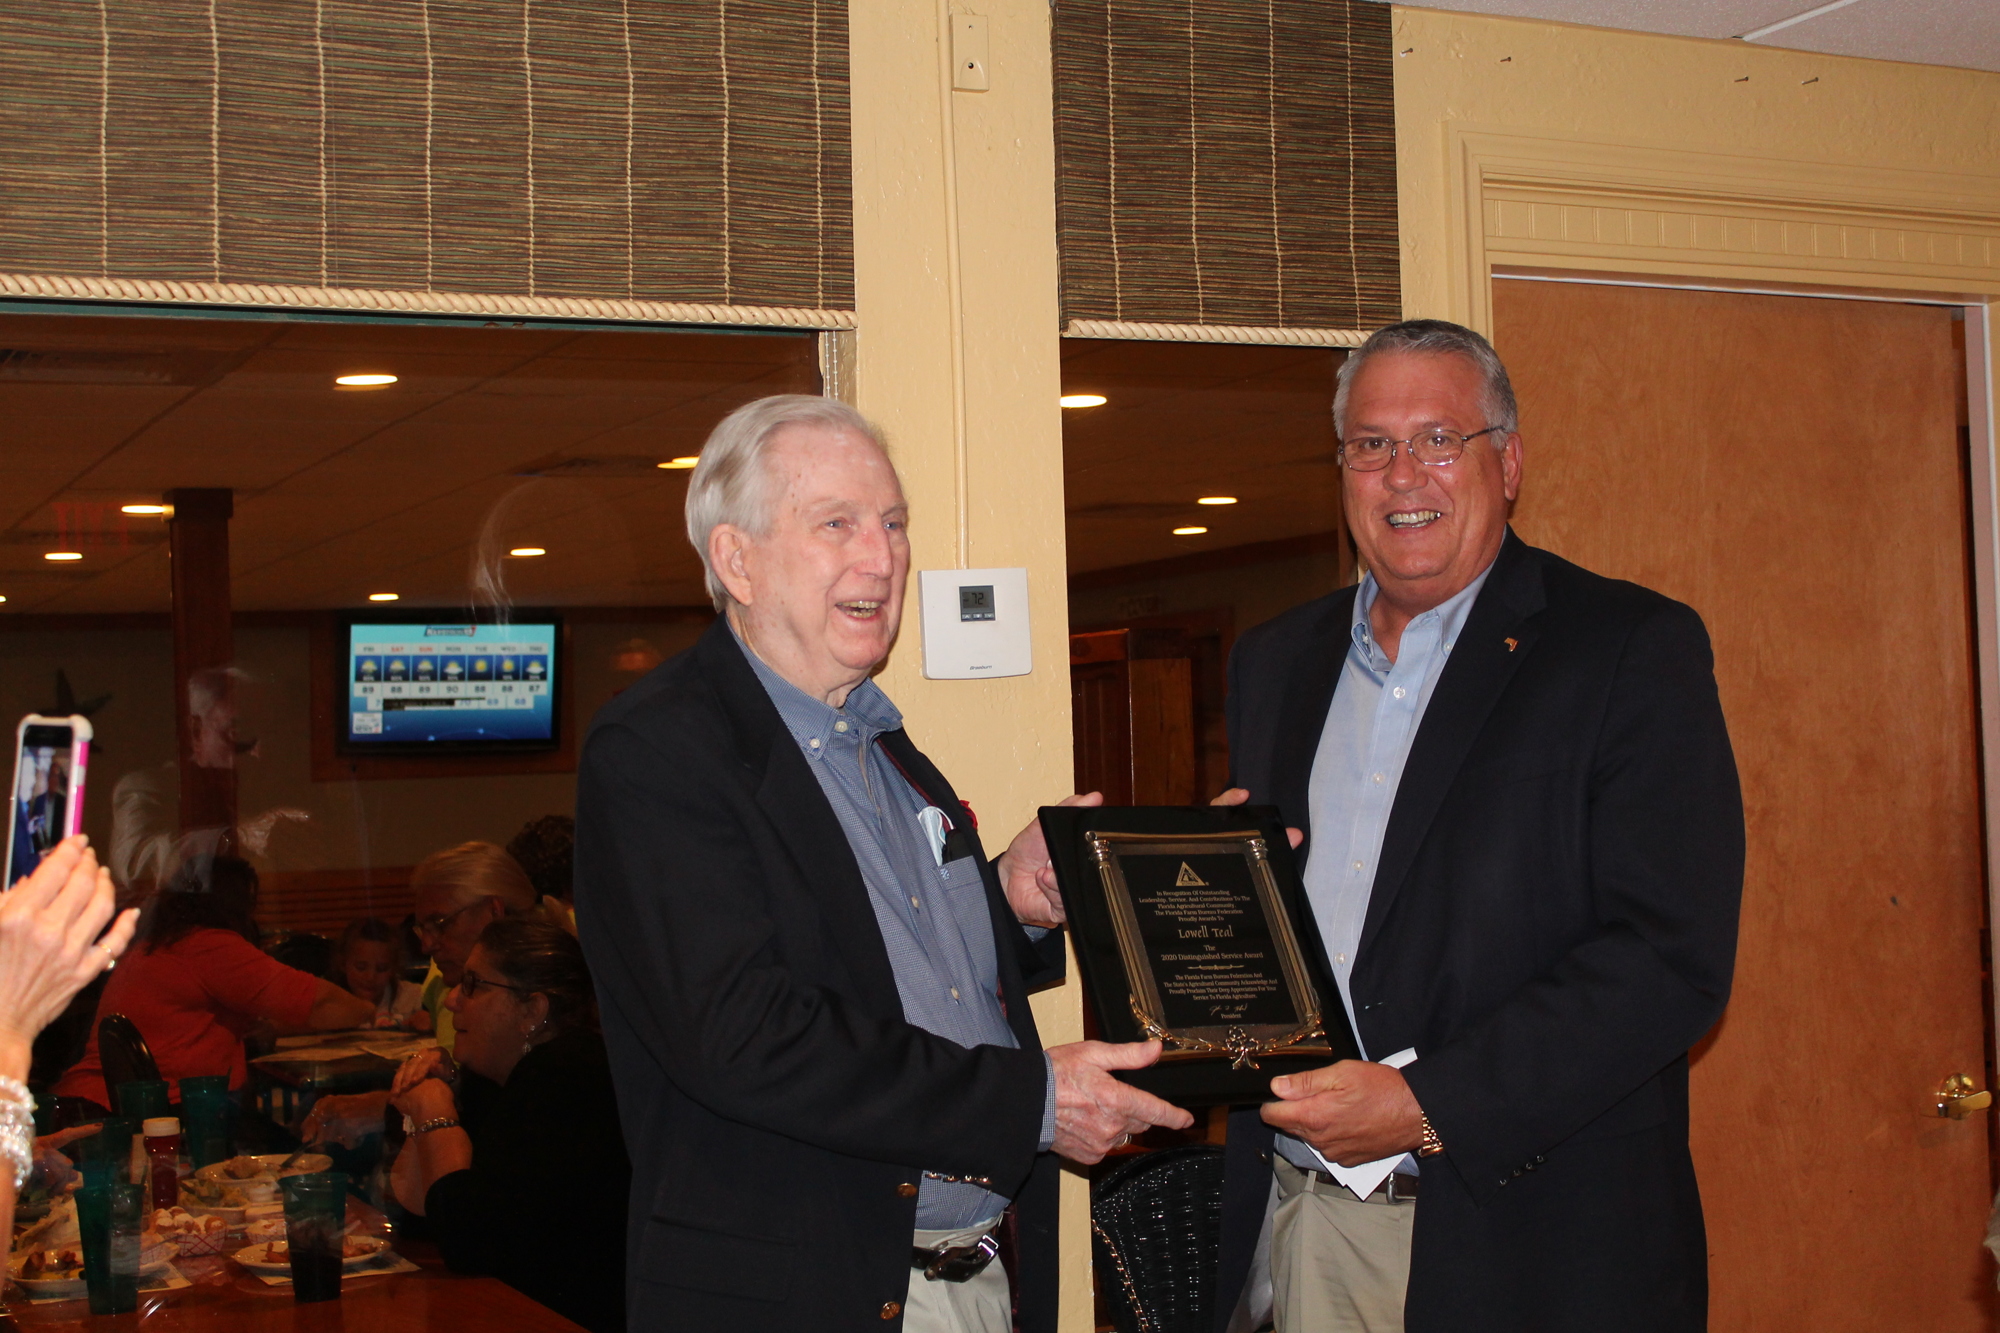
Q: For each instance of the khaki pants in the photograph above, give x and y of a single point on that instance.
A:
(980, 1304)
(1338, 1264)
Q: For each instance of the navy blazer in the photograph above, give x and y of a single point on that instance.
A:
(777, 1107)
(1552, 927)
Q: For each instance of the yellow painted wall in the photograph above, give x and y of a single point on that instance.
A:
(1931, 131)
(956, 284)
(957, 356)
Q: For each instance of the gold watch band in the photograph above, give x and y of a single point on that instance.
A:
(1432, 1145)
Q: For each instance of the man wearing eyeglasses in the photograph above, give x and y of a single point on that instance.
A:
(1522, 841)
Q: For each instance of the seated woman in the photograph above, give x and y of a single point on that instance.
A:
(368, 962)
(515, 1154)
(195, 981)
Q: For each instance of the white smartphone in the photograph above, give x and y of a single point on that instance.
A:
(46, 800)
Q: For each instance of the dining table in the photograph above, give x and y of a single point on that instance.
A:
(287, 1081)
(221, 1296)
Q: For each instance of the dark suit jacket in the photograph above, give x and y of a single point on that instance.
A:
(778, 1109)
(1552, 926)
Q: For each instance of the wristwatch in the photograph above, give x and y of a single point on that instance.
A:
(1432, 1145)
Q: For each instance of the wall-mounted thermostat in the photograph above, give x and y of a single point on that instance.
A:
(975, 623)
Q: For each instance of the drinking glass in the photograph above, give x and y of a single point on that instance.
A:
(315, 1218)
(108, 1219)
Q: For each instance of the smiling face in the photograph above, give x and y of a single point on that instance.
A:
(819, 597)
(494, 1024)
(1427, 532)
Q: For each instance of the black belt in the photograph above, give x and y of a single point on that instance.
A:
(1397, 1188)
(956, 1264)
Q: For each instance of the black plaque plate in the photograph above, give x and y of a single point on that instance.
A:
(1183, 919)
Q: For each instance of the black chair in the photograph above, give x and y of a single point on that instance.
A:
(1157, 1227)
(123, 1052)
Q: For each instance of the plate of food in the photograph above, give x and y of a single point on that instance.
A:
(233, 1189)
(274, 1256)
(189, 1234)
(49, 1274)
(58, 1273)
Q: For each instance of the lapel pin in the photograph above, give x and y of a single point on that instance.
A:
(1512, 644)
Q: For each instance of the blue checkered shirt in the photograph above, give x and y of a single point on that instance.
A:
(933, 917)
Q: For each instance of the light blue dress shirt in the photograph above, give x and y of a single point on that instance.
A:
(934, 918)
(1377, 707)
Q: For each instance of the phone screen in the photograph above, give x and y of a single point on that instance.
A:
(44, 785)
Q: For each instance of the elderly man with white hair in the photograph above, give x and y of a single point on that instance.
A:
(814, 983)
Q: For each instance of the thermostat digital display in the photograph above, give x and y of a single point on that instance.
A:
(975, 623)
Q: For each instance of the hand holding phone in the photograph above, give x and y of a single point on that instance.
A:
(45, 803)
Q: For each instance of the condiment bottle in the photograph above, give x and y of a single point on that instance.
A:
(163, 1152)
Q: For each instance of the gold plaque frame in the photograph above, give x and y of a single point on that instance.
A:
(1242, 1043)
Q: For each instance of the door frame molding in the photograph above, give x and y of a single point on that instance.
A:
(1578, 208)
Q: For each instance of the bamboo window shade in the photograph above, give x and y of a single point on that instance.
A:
(605, 150)
(1227, 162)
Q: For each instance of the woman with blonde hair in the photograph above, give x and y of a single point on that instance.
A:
(459, 892)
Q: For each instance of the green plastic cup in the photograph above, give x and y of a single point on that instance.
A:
(315, 1217)
(143, 1099)
(109, 1218)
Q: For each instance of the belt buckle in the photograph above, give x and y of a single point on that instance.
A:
(961, 1262)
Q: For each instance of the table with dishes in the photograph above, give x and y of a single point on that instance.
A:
(219, 1260)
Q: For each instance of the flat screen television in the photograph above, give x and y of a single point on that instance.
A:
(444, 685)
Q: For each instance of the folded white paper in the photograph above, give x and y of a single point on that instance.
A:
(1365, 1179)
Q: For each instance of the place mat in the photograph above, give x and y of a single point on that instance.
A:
(316, 1054)
(164, 1278)
(388, 1262)
(386, 1046)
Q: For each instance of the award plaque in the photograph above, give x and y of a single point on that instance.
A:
(1183, 924)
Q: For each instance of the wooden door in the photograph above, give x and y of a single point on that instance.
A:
(1132, 716)
(1792, 468)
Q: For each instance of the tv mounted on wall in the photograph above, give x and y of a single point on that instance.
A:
(440, 682)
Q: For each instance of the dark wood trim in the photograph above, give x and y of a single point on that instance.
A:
(1202, 562)
(161, 620)
(204, 633)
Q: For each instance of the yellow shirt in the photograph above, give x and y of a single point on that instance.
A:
(433, 1002)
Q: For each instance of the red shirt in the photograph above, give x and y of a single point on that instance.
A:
(193, 1000)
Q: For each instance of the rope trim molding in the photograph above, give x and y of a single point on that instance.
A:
(268, 295)
(1213, 333)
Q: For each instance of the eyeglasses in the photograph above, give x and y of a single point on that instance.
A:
(434, 925)
(1432, 448)
(470, 983)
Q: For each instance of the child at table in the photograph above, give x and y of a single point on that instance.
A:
(368, 962)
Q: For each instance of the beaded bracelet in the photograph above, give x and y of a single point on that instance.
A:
(17, 1129)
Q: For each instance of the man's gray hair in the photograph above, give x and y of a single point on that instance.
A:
(1435, 337)
(731, 483)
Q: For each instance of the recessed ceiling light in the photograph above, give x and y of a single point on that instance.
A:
(529, 550)
(363, 381)
(2, 599)
(63, 555)
(1189, 532)
(683, 462)
(1216, 500)
(1083, 400)
(142, 509)
(383, 596)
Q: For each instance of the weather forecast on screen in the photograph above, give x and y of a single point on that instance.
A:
(448, 684)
